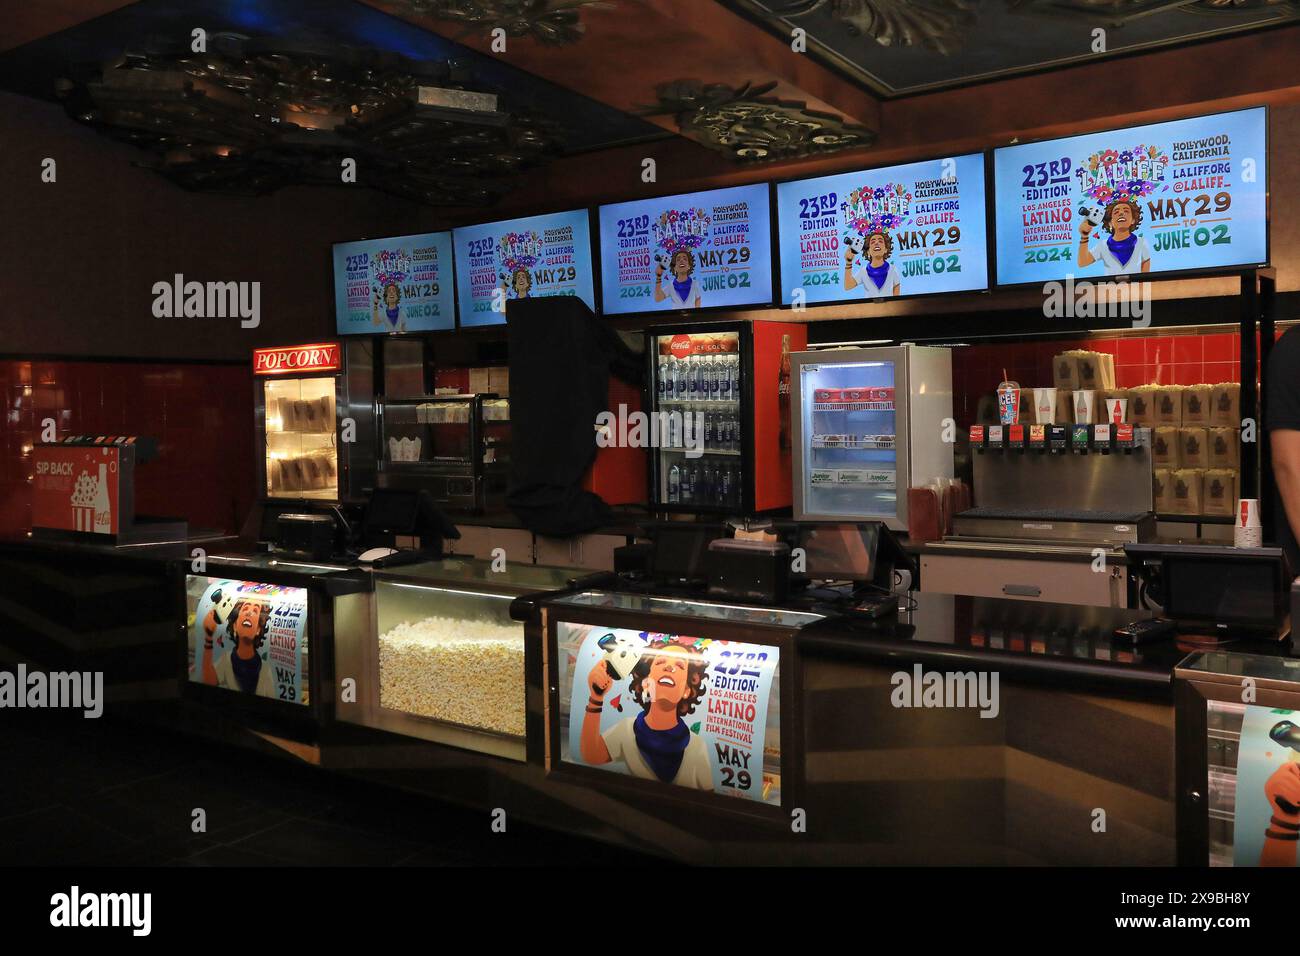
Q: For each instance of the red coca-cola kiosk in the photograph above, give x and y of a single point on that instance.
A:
(720, 397)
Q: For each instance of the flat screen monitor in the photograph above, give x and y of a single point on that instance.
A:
(528, 258)
(403, 284)
(876, 234)
(681, 550)
(392, 511)
(690, 251)
(1180, 196)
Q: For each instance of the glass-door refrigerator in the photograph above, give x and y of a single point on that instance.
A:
(870, 424)
(315, 420)
(720, 422)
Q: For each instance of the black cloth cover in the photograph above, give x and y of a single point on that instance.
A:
(561, 356)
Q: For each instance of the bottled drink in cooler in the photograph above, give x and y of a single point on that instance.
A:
(710, 430)
(726, 481)
(664, 378)
(692, 377)
(674, 485)
(715, 374)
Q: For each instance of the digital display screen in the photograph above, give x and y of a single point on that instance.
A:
(1189, 194)
(692, 251)
(881, 233)
(402, 284)
(521, 259)
(1234, 592)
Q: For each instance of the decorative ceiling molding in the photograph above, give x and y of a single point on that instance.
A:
(935, 24)
(249, 117)
(1116, 13)
(553, 22)
(751, 126)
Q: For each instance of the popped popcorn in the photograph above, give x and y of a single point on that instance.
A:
(455, 670)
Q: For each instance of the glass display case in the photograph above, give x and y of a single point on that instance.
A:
(1238, 733)
(301, 454)
(456, 446)
(257, 636)
(691, 699)
(443, 661)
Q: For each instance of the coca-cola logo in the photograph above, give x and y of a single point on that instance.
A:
(680, 346)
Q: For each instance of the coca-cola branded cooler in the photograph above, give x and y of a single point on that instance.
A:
(315, 419)
(870, 423)
(721, 434)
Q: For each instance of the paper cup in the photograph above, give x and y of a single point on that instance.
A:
(1247, 532)
(1009, 403)
(1117, 410)
(1044, 406)
(1085, 400)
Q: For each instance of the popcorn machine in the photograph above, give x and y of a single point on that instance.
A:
(314, 409)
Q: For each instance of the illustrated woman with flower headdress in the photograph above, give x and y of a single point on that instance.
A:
(1124, 251)
(1116, 181)
(391, 301)
(683, 291)
(519, 282)
(868, 268)
(657, 744)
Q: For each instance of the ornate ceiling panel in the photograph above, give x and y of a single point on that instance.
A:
(896, 47)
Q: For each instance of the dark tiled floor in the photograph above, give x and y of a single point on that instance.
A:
(90, 792)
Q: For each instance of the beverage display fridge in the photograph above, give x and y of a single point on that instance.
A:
(869, 425)
(1237, 727)
(720, 397)
(315, 418)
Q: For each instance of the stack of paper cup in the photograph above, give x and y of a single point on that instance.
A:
(1248, 533)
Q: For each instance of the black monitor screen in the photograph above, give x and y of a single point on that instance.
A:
(393, 510)
(682, 549)
(840, 552)
(1222, 591)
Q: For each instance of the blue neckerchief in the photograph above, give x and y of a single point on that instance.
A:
(683, 289)
(878, 273)
(1122, 248)
(246, 671)
(393, 313)
(662, 750)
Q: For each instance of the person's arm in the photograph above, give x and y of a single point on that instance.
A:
(1285, 446)
(1086, 258)
(660, 295)
(591, 744)
(1283, 834)
(850, 280)
(208, 671)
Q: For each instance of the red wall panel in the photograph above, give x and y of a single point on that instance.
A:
(201, 415)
